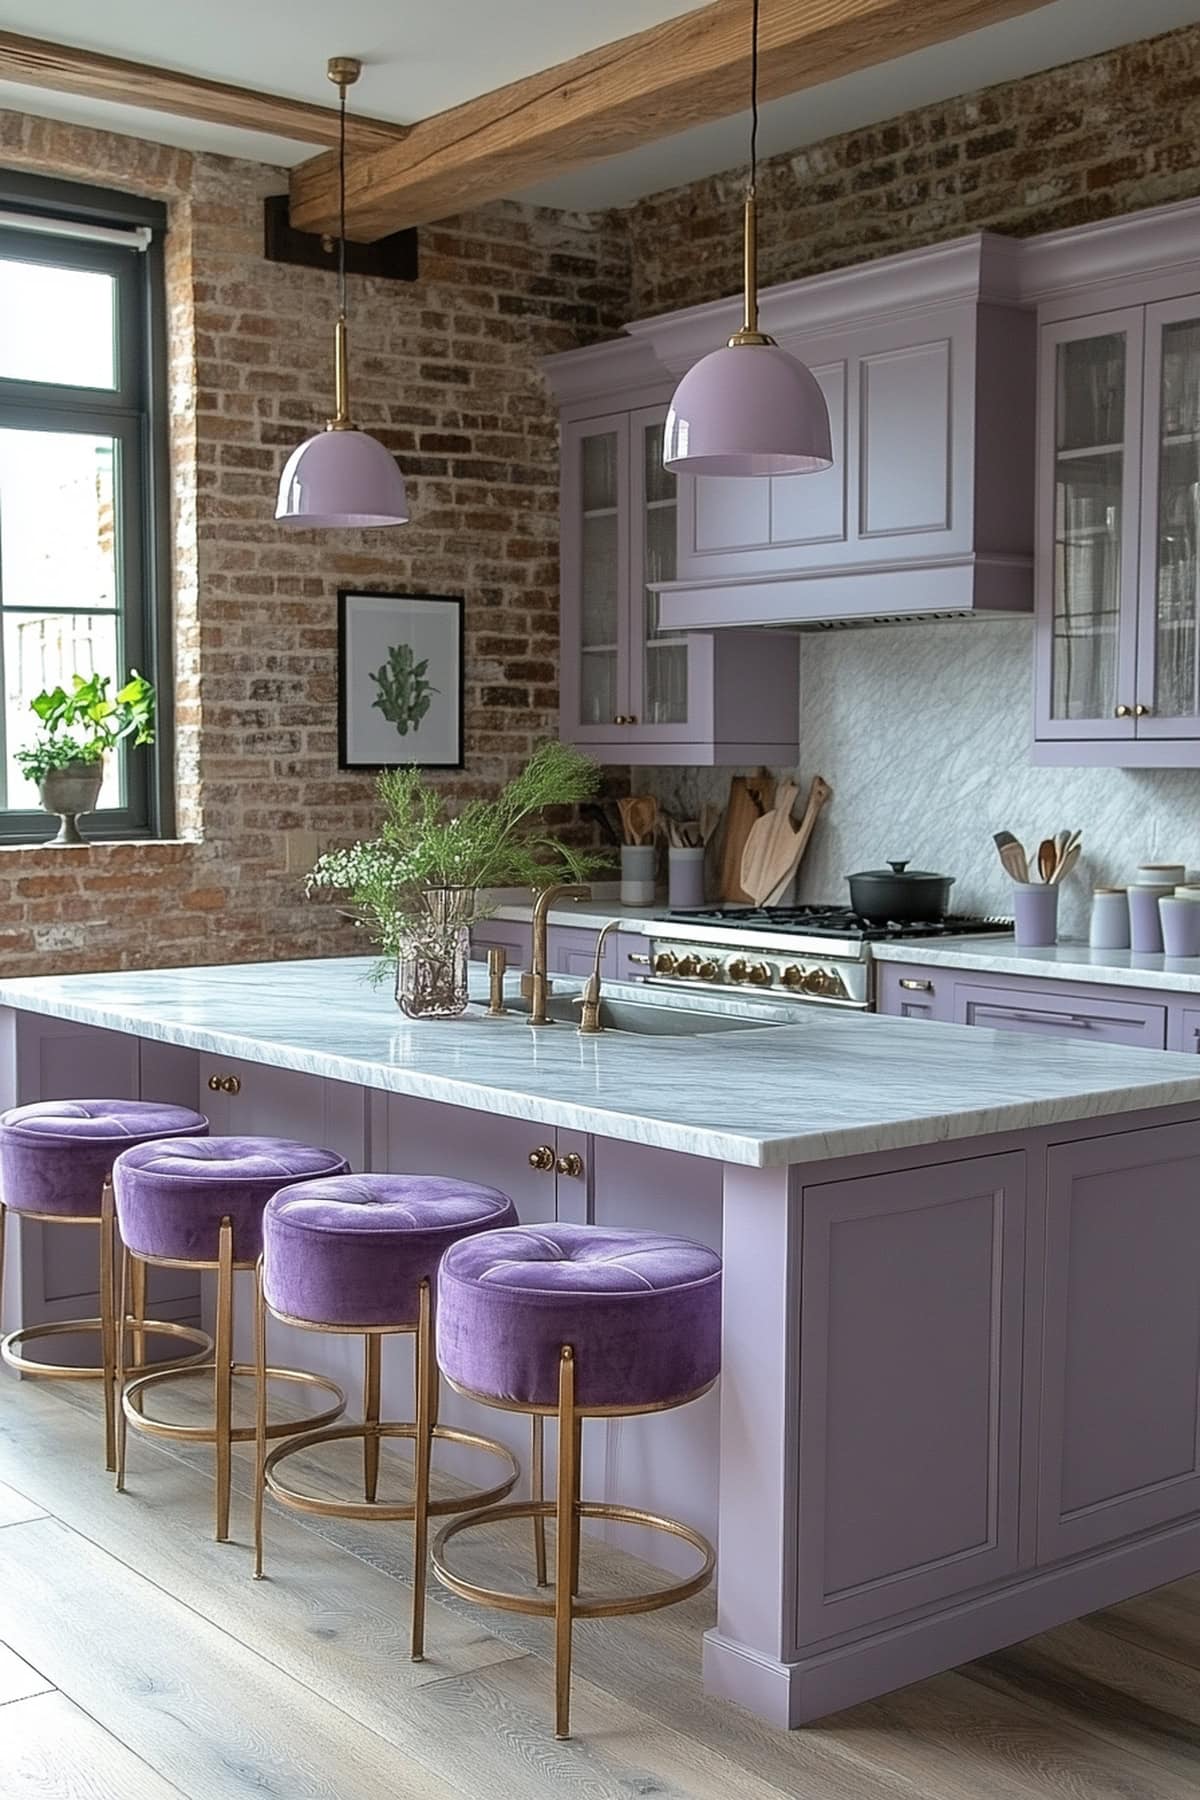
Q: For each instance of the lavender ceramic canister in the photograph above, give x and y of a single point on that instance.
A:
(1180, 918)
(1035, 914)
(1109, 928)
(685, 878)
(1145, 923)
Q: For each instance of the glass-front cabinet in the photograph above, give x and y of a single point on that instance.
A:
(1118, 677)
(632, 690)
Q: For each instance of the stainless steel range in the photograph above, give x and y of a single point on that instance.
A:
(819, 955)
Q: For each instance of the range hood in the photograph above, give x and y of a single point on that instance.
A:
(928, 365)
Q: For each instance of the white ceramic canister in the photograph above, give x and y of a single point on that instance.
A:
(1180, 925)
(1170, 875)
(637, 874)
(1109, 929)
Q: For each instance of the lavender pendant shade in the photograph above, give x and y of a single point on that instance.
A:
(341, 477)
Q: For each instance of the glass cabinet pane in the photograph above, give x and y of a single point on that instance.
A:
(599, 586)
(1177, 579)
(665, 655)
(1089, 468)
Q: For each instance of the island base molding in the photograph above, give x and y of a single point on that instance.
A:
(793, 1694)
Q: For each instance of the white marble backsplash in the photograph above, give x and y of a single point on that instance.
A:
(924, 733)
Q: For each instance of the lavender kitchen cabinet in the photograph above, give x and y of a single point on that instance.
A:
(910, 1319)
(632, 690)
(1183, 1029)
(1118, 658)
(1120, 1449)
(903, 992)
(570, 949)
(514, 936)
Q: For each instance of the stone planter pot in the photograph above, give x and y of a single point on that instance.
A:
(69, 792)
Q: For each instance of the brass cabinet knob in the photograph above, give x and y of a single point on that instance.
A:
(224, 1084)
(665, 963)
(1122, 712)
(708, 971)
(570, 1164)
(1139, 712)
(759, 974)
(541, 1158)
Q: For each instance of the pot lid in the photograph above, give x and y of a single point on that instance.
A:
(898, 871)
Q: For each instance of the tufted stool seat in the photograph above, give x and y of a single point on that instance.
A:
(56, 1158)
(198, 1203)
(577, 1321)
(360, 1253)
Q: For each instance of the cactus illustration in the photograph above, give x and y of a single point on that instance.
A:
(404, 695)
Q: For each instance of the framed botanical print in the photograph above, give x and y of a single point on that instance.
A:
(400, 680)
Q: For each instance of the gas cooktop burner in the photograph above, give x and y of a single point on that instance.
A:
(835, 922)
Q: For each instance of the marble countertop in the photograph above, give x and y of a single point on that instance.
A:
(823, 1085)
(1064, 962)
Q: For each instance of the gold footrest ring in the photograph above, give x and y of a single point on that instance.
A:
(582, 1607)
(371, 1509)
(25, 1365)
(133, 1401)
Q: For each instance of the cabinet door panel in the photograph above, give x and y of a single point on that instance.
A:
(512, 935)
(731, 512)
(1168, 668)
(1062, 1015)
(1183, 1029)
(811, 509)
(905, 992)
(595, 577)
(904, 440)
(910, 1367)
(273, 1102)
(1120, 1450)
(1089, 449)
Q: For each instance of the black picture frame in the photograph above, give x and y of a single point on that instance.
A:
(416, 621)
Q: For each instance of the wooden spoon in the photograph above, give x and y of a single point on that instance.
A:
(1047, 858)
(1012, 856)
(641, 818)
(1066, 865)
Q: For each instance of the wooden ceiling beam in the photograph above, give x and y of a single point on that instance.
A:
(687, 71)
(67, 70)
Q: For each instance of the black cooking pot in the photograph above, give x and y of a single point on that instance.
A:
(907, 896)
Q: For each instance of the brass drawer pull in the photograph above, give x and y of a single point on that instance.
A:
(917, 987)
(224, 1084)
(541, 1158)
(570, 1164)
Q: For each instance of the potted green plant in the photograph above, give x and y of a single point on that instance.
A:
(77, 728)
(419, 885)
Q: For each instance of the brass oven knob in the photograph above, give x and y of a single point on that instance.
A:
(708, 971)
(793, 976)
(664, 963)
(570, 1164)
(759, 974)
(688, 966)
(815, 981)
(739, 970)
(542, 1157)
(224, 1084)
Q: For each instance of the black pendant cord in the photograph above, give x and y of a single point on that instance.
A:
(754, 99)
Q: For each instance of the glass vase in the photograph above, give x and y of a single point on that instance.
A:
(431, 969)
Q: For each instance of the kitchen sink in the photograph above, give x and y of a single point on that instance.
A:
(650, 1018)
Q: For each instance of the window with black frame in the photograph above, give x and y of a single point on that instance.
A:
(84, 563)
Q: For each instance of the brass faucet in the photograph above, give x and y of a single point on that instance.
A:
(536, 985)
(589, 1000)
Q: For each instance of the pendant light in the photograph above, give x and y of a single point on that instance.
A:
(342, 476)
(751, 408)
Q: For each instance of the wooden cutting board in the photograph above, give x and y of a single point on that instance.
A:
(819, 792)
(749, 797)
(768, 845)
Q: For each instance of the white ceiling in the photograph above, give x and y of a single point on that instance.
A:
(421, 58)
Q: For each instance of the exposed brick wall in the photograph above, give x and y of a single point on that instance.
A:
(445, 371)
(1110, 134)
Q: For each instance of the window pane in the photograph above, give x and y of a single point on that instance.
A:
(57, 325)
(57, 520)
(42, 650)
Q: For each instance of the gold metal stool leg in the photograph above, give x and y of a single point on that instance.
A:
(223, 1380)
(260, 1416)
(3, 1222)
(108, 1319)
(537, 1489)
(124, 1258)
(566, 1524)
(137, 1305)
(372, 1348)
(426, 1374)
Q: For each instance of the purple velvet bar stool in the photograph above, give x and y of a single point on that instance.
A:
(360, 1254)
(198, 1203)
(577, 1322)
(56, 1159)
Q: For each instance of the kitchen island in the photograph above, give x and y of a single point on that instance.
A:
(962, 1312)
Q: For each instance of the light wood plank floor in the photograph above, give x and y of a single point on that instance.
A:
(138, 1661)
